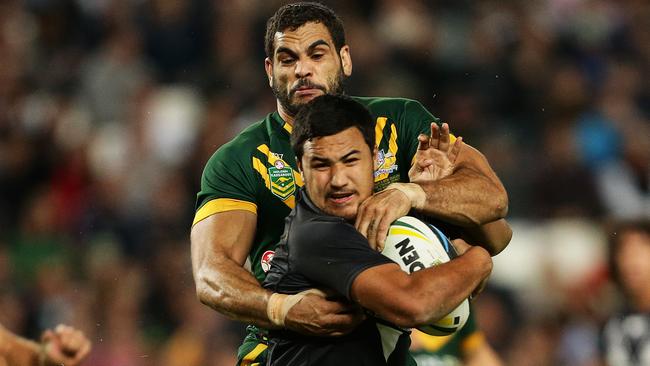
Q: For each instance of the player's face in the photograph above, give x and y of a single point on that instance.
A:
(633, 262)
(305, 64)
(337, 171)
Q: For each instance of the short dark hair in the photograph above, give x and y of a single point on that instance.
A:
(328, 115)
(293, 16)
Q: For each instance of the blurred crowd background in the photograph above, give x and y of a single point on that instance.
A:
(110, 108)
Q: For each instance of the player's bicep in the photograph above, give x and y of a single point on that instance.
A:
(471, 158)
(227, 234)
(383, 290)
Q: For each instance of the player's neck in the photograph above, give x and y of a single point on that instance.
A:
(286, 117)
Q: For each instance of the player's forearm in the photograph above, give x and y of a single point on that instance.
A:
(16, 351)
(466, 198)
(493, 236)
(438, 290)
(231, 290)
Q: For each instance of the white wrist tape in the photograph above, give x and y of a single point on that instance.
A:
(413, 191)
(279, 304)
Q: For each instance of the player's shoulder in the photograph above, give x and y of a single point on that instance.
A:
(394, 107)
(385, 102)
(244, 144)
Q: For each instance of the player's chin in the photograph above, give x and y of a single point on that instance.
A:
(347, 211)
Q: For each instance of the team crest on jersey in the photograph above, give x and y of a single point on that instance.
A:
(267, 257)
(386, 164)
(282, 182)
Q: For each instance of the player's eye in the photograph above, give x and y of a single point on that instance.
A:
(351, 161)
(287, 60)
(317, 56)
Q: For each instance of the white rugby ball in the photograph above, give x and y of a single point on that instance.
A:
(415, 245)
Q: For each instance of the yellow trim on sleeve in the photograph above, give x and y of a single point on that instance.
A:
(472, 342)
(222, 205)
(252, 355)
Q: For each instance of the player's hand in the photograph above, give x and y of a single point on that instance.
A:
(318, 316)
(435, 156)
(64, 346)
(377, 212)
(461, 247)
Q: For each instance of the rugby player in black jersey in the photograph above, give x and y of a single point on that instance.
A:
(333, 139)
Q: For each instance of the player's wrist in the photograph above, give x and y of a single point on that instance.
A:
(279, 305)
(413, 192)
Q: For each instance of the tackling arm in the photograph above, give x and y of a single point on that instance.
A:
(220, 245)
(471, 196)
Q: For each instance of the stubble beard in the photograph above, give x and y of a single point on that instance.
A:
(280, 92)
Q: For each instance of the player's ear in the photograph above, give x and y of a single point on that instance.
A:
(268, 66)
(346, 60)
(299, 164)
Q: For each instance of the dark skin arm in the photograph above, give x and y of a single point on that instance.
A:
(424, 296)
(220, 245)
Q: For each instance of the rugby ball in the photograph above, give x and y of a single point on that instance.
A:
(415, 245)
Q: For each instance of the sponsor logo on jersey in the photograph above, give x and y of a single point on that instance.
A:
(386, 164)
(267, 257)
(282, 182)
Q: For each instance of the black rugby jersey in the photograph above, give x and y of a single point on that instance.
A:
(318, 250)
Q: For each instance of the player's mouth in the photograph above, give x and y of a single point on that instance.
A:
(340, 198)
(305, 89)
(308, 92)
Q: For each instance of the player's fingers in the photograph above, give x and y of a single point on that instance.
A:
(83, 351)
(434, 139)
(47, 335)
(424, 163)
(72, 341)
(455, 149)
(423, 142)
(382, 231)
(372, 234)
(443, 144)
(362, 221)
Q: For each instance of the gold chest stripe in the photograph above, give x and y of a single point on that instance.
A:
(261, 168)
(392, 143)
(379, 129)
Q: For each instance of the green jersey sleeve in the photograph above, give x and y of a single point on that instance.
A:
(228, 182)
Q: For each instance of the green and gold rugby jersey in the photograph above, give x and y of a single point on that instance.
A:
(447, 350)
(257, 172)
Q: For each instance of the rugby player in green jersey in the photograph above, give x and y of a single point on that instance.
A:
(248, 186)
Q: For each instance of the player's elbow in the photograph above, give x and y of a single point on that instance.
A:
(207, 293)
(501, 243)
(409, 311)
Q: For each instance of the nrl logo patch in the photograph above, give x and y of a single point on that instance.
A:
(267, 257)
(282, 183)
